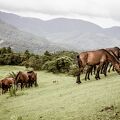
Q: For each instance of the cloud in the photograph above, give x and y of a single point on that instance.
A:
(107, 9)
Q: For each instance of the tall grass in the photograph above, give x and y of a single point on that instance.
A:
(12, 91)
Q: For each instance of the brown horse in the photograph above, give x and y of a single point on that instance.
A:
(22, 78)
(32, 78)
(115, 51)
(6, 84)
(98, 57)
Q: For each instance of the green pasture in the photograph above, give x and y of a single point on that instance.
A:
(58, 97)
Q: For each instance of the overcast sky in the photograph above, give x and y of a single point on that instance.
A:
(105, 13)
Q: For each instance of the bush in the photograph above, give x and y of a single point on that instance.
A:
(61, 65)
(34, 62)
(50, 66)
(74, 70)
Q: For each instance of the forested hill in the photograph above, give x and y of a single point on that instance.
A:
(67, 33)
(20, 41)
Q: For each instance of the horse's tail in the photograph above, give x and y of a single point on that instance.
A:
(78, 73)
(79, 61)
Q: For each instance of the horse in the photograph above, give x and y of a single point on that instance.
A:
(97, 57)
(115, 51)
(32, 78)
(23, 78)
(6, 84)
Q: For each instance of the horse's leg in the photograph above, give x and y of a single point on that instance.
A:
(21, 86)
(87, 72)
(105, 69)
(86, 75)
(35, 83)
(97, 76)
(78, 79)
(32, 84)
(113, 69)
(109, 67)
(102, 69)
(26, 84)
(94, 69)
(90, 71)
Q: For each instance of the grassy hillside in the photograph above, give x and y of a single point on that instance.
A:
(63, 99)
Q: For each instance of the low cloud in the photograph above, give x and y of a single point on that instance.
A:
(107, 9)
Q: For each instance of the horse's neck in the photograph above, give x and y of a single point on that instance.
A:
(112, 59)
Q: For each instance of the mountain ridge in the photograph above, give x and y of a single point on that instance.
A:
(72, 34)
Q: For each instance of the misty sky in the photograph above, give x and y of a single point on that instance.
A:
(105, 13)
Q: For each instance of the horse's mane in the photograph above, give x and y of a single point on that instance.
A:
(29, 71)
(117, 48)
(17, 75)
(114, 57)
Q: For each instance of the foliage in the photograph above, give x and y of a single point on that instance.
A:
(74, 70)
(52, 62)
(12, 74)
(61, 65)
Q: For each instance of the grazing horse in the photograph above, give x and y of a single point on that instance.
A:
(115, 51)
(23, 78)
(32, 78)
(6, 84)
(98, 57)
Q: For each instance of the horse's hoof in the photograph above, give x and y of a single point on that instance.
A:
(78, 82)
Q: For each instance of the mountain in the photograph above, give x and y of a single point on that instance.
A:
(72, 34)
(20, 41)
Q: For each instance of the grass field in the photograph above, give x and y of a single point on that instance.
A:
(63, 99)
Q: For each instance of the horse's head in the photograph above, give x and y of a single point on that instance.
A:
(117, 68)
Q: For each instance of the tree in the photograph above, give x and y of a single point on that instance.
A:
(27, 54)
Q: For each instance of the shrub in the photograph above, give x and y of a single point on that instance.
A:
(74, 70)
(61, 65)
(50, 66)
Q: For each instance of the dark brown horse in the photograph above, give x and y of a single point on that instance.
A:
(22, 78)
(98, 57)
(32, 78)
(115, 51)
(6, 84)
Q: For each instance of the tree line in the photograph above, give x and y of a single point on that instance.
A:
(58, 62)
